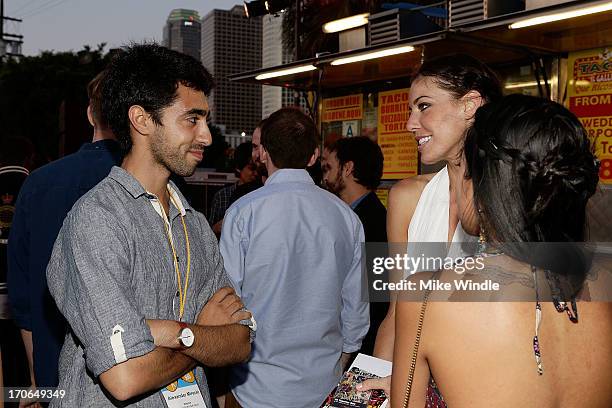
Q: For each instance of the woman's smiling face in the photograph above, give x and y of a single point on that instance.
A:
(439, 121)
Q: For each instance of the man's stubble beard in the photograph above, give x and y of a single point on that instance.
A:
(262, 171)
(338, 186)
(173, 160)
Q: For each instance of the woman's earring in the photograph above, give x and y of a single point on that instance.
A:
(482, 241)
(482, 237)
(484, 249)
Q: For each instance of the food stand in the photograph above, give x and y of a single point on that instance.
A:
(549, 59)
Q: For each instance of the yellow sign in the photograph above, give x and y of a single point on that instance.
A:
(590, 98)
(383, 195)
(349, 107)
(397, 143)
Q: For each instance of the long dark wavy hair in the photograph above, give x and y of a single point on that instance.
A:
(533, 171)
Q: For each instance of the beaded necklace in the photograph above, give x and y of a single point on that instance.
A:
(560, 306)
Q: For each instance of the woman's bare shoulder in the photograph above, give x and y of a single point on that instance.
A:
(408, 191)
(403, 199)
(412, 185)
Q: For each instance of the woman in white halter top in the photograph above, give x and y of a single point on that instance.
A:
(430, 221)
(444, 97)
(550, 346)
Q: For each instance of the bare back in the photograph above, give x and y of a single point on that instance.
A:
(481, 354)
(492, 364)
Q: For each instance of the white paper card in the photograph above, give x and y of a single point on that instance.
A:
(378, 366)
(183, 393)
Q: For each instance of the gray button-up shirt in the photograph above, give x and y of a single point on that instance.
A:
(112, 268)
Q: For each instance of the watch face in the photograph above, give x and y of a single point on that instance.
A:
(187, 337)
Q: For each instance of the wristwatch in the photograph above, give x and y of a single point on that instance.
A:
(186, 336)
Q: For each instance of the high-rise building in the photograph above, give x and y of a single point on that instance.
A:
(182, 32)
(274, 53)
(231, 43)
(10, 39)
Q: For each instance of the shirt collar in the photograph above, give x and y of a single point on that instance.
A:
(108, 144)
(175, 198)
(355, 203)
(132, 186)
(175, 203)
(289, 175)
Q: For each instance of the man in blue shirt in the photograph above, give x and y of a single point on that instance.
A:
(352, 169)
(15, 159)
(293, 252)
(45, 198)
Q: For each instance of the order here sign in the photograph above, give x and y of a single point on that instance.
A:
(342, 108)
(590, 98)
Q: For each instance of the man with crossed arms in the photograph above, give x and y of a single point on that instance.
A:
(134, 263)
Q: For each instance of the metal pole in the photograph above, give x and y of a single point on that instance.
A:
(1, 20)
(296, 29)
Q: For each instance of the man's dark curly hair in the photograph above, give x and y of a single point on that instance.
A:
(242, 156)
(367, 158)
(147, 75)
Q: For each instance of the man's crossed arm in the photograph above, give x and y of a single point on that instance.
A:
(219, 341)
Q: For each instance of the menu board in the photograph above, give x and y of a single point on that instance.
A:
(397, 143)
(590, 98)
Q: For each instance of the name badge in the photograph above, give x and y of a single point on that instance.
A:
(184, 393)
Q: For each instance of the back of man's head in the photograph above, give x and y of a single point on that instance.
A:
(242, 155)
(94, 92)
(366, 156)
(290, 137)
(147, 75)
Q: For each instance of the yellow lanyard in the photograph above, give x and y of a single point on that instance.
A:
(182, 290)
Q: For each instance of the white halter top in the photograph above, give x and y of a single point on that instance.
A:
(430, 220)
